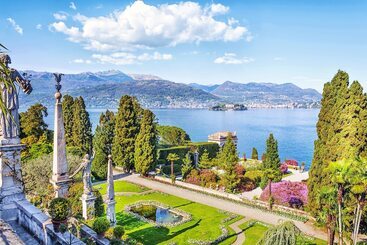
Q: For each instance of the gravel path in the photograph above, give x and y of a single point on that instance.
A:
(251, 213)
(240, 234)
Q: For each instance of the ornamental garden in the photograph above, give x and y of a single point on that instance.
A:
(331, 196)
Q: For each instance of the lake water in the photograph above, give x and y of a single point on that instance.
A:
(295, 129)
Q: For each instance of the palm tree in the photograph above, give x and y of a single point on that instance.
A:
(271, 174)
(172, 157)
(285, 233)
(340, 171)
(358, 180)
(327, 215)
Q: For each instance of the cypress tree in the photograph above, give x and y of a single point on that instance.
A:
(102, 143)
(126, 131)
(82, 127)
(68, 114)
(146, 144)
(272, 160)
(333, 98)
(254, 154)
(228, 159)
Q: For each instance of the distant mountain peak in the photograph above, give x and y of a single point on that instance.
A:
(141, 77)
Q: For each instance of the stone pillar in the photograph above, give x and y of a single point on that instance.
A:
(111, 214)
(11, 184)
(88, 202)
(196, 159)
(60, 177)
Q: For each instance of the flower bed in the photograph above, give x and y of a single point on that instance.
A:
(291, 194)
(291, 162)
(185, 216)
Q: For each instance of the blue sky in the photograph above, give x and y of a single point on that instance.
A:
(304, 42)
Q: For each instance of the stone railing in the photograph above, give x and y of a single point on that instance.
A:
(39, 224)
(281, 210)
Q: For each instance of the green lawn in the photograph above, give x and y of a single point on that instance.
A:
(204, 225)
(121, 186)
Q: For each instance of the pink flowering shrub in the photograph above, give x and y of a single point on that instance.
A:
(283, 168)
(291, 162)
(286, 193)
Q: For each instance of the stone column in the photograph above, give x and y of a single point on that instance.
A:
(11, 184)
(60, 177)
(88, 202)
(111, 214)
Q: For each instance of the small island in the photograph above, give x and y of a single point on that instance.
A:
(228, 107)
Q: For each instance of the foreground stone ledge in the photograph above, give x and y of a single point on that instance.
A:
(39, 224)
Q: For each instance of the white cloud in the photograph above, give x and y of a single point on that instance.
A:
(124, 58)
(16, 27)
(218, 9)
(141, 25)
(72, 5)
(82, 61)
(60, 15)
(232, 59)
(39, 27)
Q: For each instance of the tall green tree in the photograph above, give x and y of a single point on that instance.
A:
(145, 155)
(82, 127)
(32, 125)
(341, 133)
(126, 131)
(68, 114)
(254, 154)
(272, 160)
(102, 144)
(228, 159)
(172, 135)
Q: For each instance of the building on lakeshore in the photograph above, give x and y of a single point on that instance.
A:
(221, 137)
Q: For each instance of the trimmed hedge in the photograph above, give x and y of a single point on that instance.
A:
(181, 151)
(176, 169)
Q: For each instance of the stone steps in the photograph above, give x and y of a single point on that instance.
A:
(23, 234)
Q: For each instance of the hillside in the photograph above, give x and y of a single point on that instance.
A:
(266, 94)
(104, 89)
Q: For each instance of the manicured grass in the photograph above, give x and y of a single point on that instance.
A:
(121, 186)
(253, 233)
(205, 223)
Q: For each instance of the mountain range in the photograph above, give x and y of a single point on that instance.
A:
(104, 89)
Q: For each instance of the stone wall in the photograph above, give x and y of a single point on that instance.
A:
(39, 224)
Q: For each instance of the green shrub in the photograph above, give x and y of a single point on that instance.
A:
(37, 150)
(98, 203)
(254, 176)
(74, 195)
(118, 231)
(59, 209)
(101, 225)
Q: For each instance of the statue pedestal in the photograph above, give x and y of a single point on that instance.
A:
(111, 214)
(61, 185)
(11, 184)
(88, 206)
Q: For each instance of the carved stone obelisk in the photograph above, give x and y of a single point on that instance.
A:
(60, 177)
(111, 214)
(11, 184)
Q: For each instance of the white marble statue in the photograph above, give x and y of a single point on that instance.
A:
(86, 167)
(9, 121)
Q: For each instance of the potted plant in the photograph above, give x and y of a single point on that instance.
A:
(118, 232)
(59, 209)
(101, 225)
